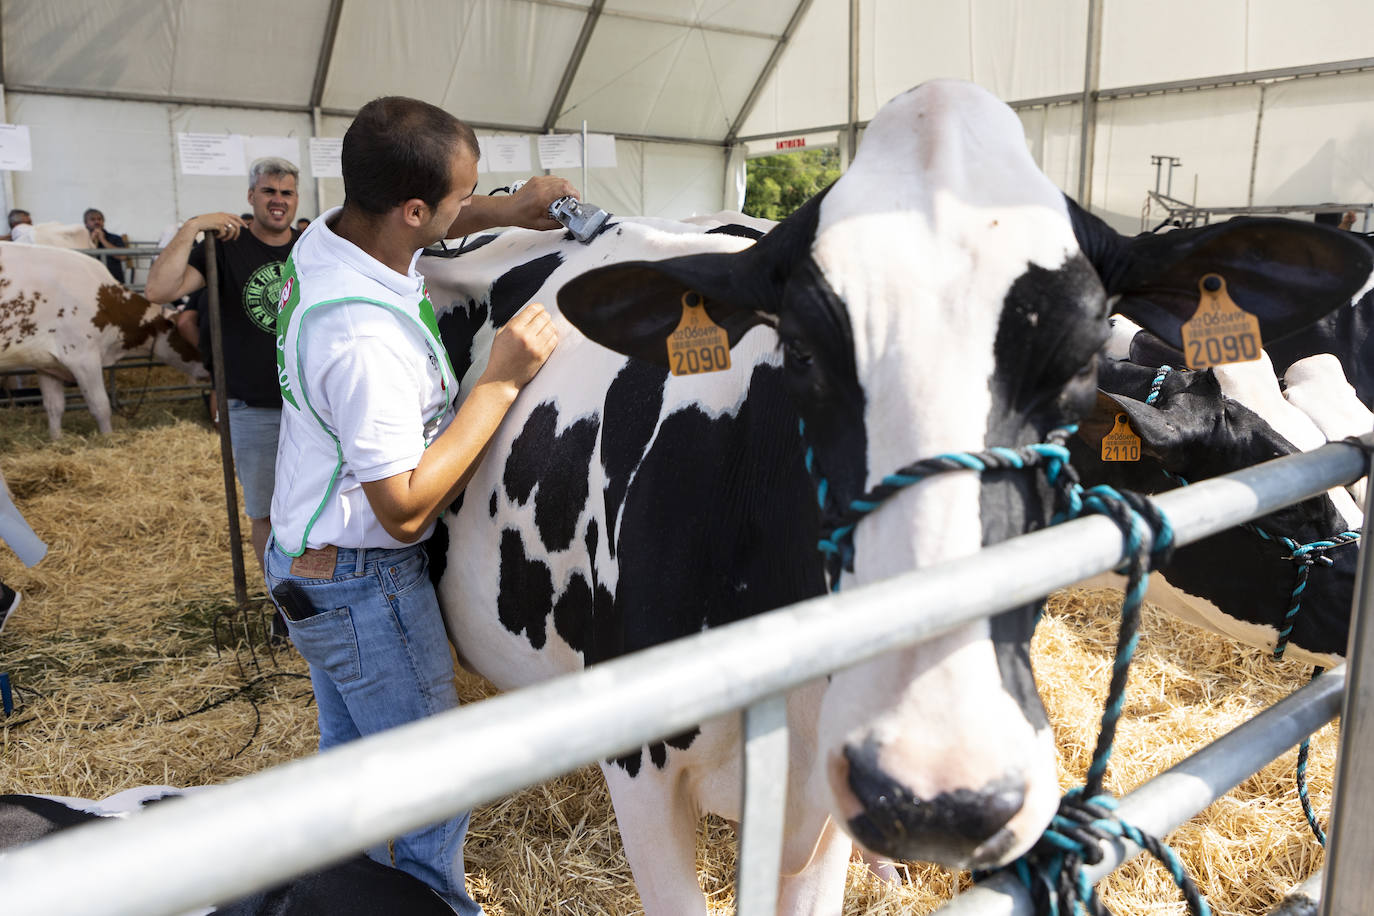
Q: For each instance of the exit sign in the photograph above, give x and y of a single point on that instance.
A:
(792, 143)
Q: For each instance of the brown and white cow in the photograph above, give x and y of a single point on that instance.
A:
(63, 316)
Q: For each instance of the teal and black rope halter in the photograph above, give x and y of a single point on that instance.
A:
(838, 523)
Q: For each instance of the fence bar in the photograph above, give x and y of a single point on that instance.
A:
(249, 834)
(1181, 791)
(1351, 838)
(1304, 899)
(765, 800)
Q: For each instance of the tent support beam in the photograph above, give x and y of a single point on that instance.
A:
(851, 133)
(1092, 69)
(661, 20)
(331, 32)
(574, 63)
(752, 99)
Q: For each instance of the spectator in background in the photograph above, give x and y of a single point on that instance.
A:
(250, 265)
(1347, 220)
(101, 238)
(302, 223)
(247, 218)
(17, 218)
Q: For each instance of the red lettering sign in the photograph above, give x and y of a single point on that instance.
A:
(792, 143)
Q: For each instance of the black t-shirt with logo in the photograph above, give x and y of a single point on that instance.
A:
(250, 280)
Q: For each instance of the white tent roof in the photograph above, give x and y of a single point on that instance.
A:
(713, 73)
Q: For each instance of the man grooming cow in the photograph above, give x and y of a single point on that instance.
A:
(250, 268)
(372, 449)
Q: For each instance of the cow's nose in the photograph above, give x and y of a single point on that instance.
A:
(962, 827)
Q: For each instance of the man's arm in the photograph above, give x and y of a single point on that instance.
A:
(527, 207)
(171, 277)
(406, 503)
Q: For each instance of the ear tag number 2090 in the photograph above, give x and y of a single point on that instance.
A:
(1122, 443)
(1219, 332)
(698, 344)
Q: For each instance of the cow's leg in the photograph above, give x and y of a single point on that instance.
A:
(54, 402)
(92, 384)
(658, 826)
(818, 889)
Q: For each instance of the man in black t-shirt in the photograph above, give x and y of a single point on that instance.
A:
(250, 267)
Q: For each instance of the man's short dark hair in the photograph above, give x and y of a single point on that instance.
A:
(397, 149)
(87, 215)
(14, 215)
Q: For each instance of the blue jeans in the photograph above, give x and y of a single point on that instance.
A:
(379, 658)
(254, 433)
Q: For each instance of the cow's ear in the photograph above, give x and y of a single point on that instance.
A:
(633, 307)
(1157, 433)
(1285, 272)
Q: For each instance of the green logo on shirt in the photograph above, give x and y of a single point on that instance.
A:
(262, 295)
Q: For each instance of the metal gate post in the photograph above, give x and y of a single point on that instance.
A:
(1350, 847)
(765, 800)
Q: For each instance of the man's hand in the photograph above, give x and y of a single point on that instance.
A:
(226, 225)
(521, 347)
(98, 239)
(531, 203)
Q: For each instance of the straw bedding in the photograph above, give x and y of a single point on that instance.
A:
(114, 652)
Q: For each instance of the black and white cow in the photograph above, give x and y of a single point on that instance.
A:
(934, 299)
(1238, 582)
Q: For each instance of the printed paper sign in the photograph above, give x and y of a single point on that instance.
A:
(288, 148)
(506, 154)
(560, 151)
(211, 154)
(564, 151)
(15, 153)
(326, 157)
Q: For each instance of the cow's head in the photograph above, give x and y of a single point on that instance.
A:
(934, 299)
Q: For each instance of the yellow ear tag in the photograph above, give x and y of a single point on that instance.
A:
(698, 344)
(1121, 444)
(1219, 332)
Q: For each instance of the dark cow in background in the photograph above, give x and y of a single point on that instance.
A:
(1238, 582)
(934, 299)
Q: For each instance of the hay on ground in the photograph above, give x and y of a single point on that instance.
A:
(121, 684)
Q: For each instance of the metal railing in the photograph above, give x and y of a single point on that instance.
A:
(232, 839)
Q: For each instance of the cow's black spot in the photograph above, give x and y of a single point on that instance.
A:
(633, 403)
(558, 465)
(718, 524)
(1052, 322)
(491, 505)
(744, 232)
(629, 763)
(518, 285)
(458, 327)
(572, 614)
(526, 590)
(436, 548)
(658, 754)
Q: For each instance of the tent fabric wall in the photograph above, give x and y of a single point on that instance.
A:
(120, 157)
(679, 82)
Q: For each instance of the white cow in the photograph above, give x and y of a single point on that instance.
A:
(63, 316)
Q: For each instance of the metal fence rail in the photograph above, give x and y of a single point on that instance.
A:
(252, 833)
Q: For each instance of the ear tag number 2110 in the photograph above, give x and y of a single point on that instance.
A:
(1122, 443)
(698, 344)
